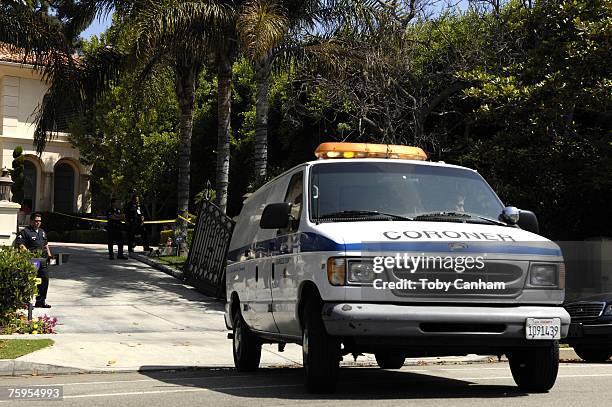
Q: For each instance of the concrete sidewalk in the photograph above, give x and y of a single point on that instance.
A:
(123, 315)
(120, 315)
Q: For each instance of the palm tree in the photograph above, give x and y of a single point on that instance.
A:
(172, 32)
(292, 21)
(182, 34)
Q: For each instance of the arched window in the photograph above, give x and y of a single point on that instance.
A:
(63, 190)
(30, 182)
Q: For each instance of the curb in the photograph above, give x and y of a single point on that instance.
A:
(162, 267)
(13, 367)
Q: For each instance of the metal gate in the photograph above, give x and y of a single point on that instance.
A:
(205, 267)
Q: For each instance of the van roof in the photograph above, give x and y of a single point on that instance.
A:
(344, 160)
(383, 160)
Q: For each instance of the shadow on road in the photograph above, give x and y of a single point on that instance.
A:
(354, 384)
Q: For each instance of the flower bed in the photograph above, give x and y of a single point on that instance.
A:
(19, 324)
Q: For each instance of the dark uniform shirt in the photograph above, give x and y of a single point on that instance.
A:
(32, 239)
(113, 224)
(133, 213)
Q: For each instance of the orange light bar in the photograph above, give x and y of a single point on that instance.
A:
(365, 150)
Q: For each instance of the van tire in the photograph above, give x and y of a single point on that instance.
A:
(321, 352)
(387, 360)
(535, 369)
(592, 355)
(245, 345)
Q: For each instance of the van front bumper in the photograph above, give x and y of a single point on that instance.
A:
(431, 322)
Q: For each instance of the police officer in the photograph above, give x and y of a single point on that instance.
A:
(114, 216)
(33, 238)
(134, 218)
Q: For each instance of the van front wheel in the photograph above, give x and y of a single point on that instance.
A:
(535, 369)
(246, 346)
(321, 352)
(389, 360)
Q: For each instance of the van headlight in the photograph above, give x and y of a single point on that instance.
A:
(543, 275)
(360, 272)
(608, 309)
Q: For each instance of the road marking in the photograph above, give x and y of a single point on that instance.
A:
(561, 366)
(140, 380)
(510, 377)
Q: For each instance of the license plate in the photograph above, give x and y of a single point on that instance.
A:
(543, 328)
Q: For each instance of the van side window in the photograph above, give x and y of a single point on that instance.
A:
(294, 196)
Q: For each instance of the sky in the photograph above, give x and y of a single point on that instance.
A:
(99, 25)
(104, 21)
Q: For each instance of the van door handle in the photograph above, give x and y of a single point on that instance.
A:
(256, 273)
(272, 271)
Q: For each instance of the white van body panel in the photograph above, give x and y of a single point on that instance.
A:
(269, 304)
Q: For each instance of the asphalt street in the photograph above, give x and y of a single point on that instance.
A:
(578, 384)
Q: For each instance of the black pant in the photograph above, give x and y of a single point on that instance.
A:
(43, 287)
(115, 236)
(135, 229)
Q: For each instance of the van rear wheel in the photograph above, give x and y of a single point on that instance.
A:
(321, 352)
(246, 346)
(593, 355)
(389, 360)
(535, 369)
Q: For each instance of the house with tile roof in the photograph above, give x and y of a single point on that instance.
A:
(54, 180)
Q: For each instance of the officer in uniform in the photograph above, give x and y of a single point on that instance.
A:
(33, 238)
(135, 221)
(114, 216)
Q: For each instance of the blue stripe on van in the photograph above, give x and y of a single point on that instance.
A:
(313, 242)
(507, 248)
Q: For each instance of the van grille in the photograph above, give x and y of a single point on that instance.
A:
(582, 311)
(511, 274)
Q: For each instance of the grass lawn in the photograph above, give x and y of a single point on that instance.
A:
(13, 348)
(173, 261)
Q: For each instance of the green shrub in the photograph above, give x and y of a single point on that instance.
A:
(56, 236)
(189, 237)
(54, 222)
(17, 174)
(17, 281)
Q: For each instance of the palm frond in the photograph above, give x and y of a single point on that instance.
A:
(261, 25)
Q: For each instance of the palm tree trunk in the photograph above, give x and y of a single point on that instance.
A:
(262, 79)
(185, 93)
(224, 106)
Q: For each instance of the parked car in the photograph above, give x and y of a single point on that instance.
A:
(590, 332)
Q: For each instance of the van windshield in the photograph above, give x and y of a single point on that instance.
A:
(397, 190)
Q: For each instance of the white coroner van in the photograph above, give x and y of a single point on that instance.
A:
(323, 256)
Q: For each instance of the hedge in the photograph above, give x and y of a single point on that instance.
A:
(17, 281)
(54, 222)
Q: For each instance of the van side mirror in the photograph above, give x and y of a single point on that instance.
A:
(510, 215)
(528, 221)
(275, 216)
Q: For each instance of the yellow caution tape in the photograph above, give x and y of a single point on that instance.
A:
(185, 219)
(79, 217)
(105, 221)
